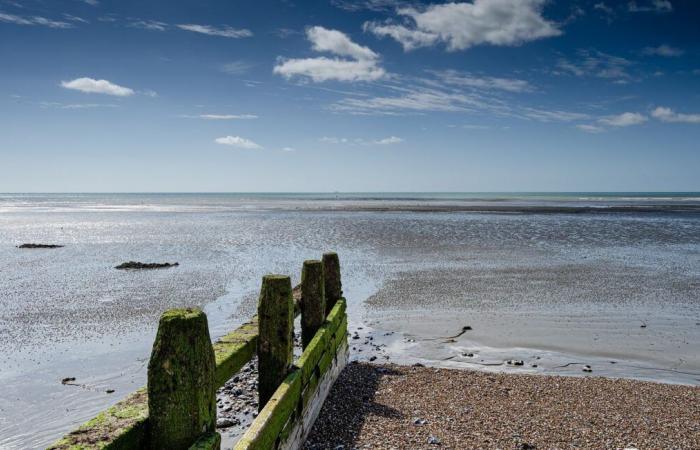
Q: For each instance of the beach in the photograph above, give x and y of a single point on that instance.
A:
(394, 406)
(612, 284)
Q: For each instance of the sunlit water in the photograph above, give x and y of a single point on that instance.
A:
(558, 285)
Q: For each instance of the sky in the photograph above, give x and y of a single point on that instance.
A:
(349, 96)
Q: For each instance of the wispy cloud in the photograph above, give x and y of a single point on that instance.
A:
(593, 63)
(236, 67)
(666, 114)
(463, 25)
(388, 141)
(33, 21)
(625, 119)
(484, 82)
(655, 6)
(622, 120)
(90, 2)
(361, 141)
(359, 63)
(77, 105)
(239, 142)
(92, 86)
(151, 25)
(588, 128)
(370, 5)
(223, 116)
(225, 31)
(663, 50)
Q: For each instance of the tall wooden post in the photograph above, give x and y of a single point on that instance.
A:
(313, 301)
(331, 279)
(275, 340)
(181, 390)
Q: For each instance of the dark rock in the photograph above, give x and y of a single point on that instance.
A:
(67, 380)
(39, 246)
(139, 265)
(110, 391)
(515, 362)
(587, 368)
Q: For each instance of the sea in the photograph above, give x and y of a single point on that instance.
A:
(558, 281)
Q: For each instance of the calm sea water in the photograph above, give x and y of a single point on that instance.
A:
(546, 272)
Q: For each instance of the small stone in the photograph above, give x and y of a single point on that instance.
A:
(432, 440)
(67, 380)
(515, 362)
(419, 422)
(587, 368)
(224, 422)
(373, 358)
(110, 391)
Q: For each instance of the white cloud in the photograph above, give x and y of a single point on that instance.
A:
(590, 128)
(362, 67)
(237, 141)
(624, 120)
(288, 149)
(657, 6)
(74, 18)
(91, 2)
(338, 43)
(324, 69)
(409, 38)
(333, 140)
(663, 50)
(33, 20)
(389, 140)
(225, 31)
(92, 86)
(665, 114)
(464, 25)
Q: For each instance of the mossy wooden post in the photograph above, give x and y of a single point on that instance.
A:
(331, 279)
(275, 340)
(181, 389)
(313, 301)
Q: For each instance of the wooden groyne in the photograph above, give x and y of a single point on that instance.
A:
(177, 408)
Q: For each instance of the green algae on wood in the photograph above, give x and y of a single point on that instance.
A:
(121, 427)
(181, 391)
(313, 301)
(208, 441)
(331, 279)
(266, 428)
(235, 349)
(275, 341)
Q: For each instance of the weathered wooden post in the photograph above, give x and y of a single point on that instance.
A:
(275, 339)
(331, 279)
(313, 301)
(181, 390)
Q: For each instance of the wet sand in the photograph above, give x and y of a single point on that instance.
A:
(394, 406)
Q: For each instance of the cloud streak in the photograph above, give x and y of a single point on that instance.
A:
(34, 21)
(225, 31)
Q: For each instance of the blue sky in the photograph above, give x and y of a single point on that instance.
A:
(335, 95)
